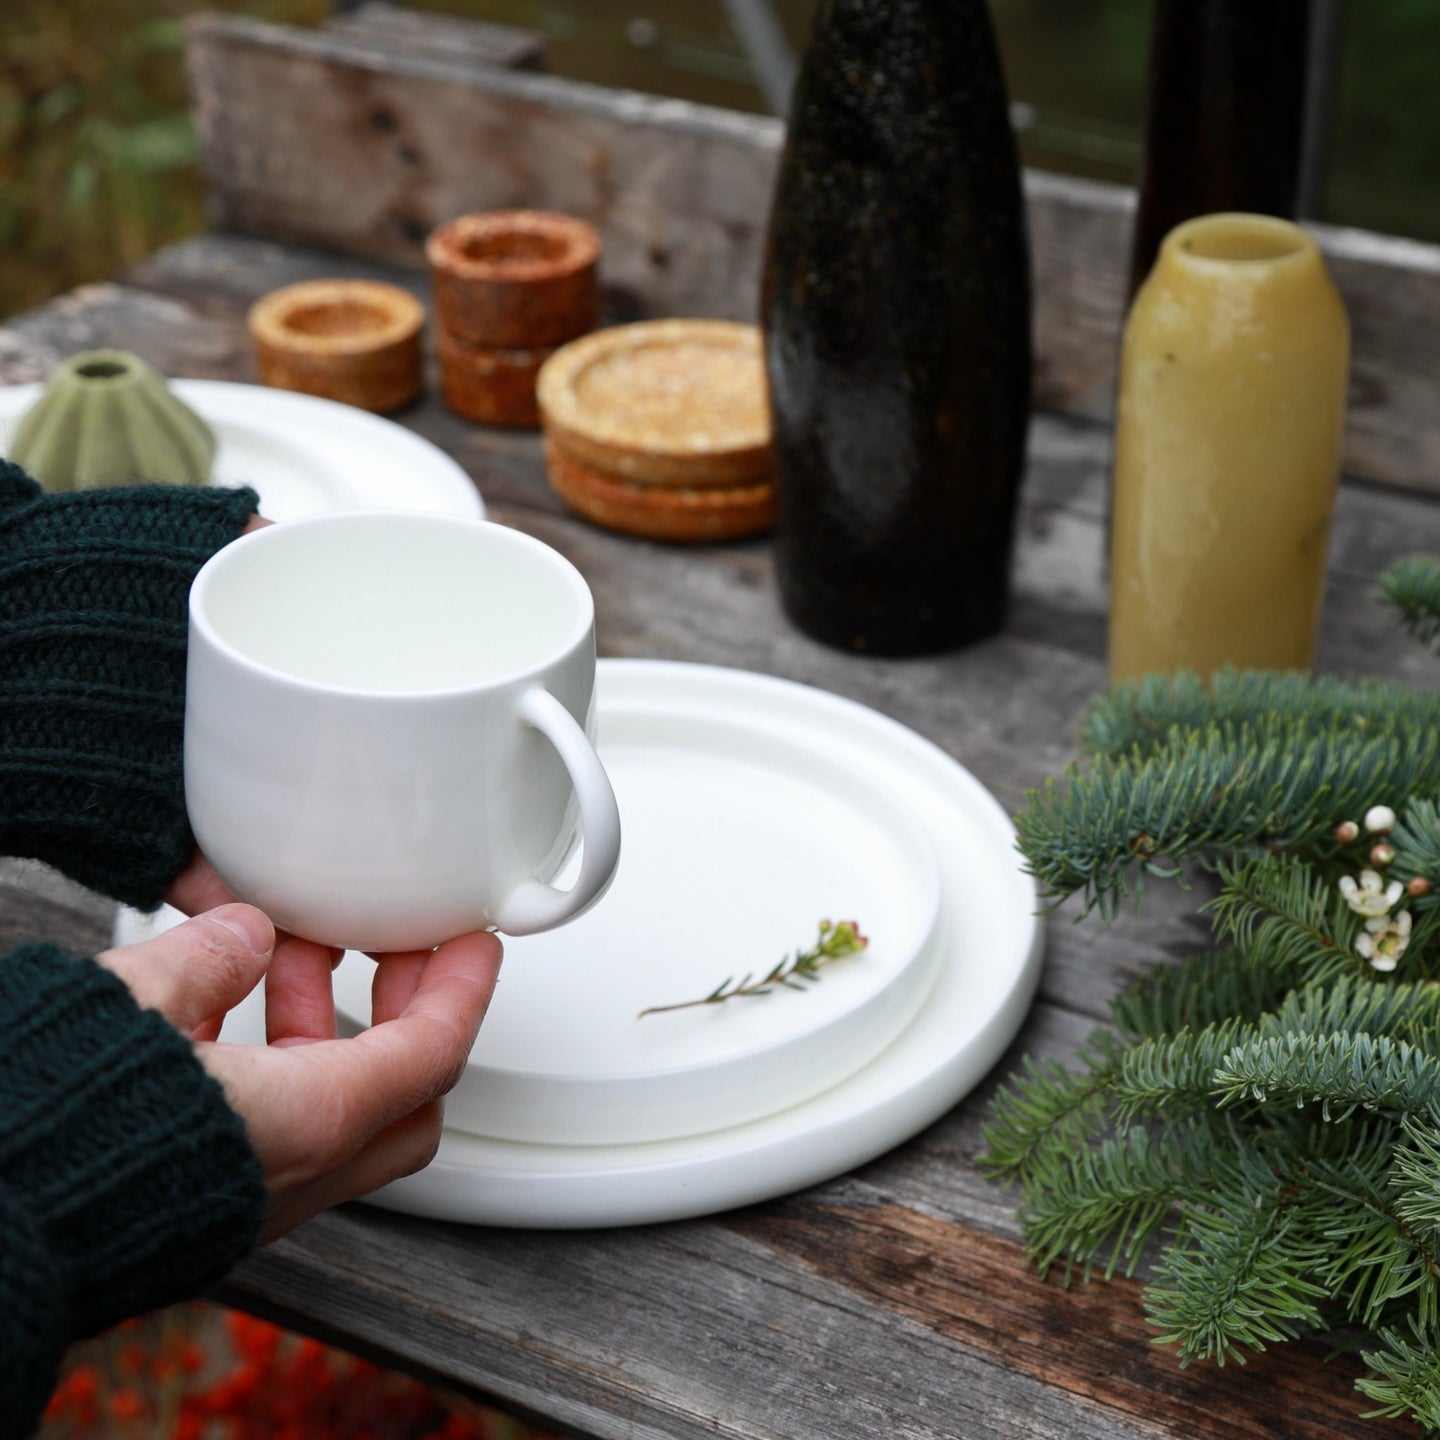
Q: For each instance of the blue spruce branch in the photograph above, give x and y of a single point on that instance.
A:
(1262, 1124)
(1141, 715)
(1405, 1375)
(1103, 827)
(1238, 1275)
(1413, 587)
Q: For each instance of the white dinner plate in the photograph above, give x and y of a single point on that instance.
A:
(989, 942)
(304, 455)
(741, 833)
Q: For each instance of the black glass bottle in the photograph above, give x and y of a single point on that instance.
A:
(1225, 115)
(896, 310)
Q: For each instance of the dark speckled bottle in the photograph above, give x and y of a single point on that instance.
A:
(897, 330)
(1224, 117)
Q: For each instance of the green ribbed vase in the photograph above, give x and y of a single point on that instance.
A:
(108, 418)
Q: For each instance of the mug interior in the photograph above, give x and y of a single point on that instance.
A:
(392, 603)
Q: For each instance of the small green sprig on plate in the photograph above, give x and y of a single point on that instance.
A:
(836, 940)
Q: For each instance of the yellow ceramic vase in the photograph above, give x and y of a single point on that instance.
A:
(1228, 441)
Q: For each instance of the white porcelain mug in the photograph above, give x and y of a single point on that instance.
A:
(386, 727)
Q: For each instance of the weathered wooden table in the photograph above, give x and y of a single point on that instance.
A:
(894, 1301)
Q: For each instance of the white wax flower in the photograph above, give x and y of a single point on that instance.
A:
(1384, 941)
(1372, 896)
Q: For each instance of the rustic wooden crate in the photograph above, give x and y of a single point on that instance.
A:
(360, 142)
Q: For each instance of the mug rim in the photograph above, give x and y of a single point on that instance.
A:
(223, 558)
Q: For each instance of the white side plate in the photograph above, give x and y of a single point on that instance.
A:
(304, 455)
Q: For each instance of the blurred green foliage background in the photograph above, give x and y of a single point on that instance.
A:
(97, 156)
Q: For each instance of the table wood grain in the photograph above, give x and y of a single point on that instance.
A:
(894, 1301)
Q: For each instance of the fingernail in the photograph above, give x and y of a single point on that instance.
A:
(251, 925)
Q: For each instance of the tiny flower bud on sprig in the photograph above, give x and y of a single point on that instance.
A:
(1379, 820)
(835, 940)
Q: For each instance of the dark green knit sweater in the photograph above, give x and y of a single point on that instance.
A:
(126, 1181)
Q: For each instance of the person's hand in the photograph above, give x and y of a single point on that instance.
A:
(329, 1119)
(299, 1000)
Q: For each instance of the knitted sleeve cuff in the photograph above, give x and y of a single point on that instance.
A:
(32, 1318)
(92, 674)
(139, 1182)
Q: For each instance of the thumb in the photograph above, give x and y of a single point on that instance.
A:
(199, 969)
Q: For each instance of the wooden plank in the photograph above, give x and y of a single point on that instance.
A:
(396, 29)
(36, 903)
(185, 339)
(963, 1284)
(881, 1303)
(225, 272)
(1080, 239)
(395, 143)
(681, 1331)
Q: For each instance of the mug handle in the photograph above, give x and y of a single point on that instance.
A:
(535, 906)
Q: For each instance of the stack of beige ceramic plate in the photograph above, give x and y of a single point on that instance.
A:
(662, 429)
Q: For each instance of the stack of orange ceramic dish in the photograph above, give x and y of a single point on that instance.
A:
(510, 286)
(662, 429)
